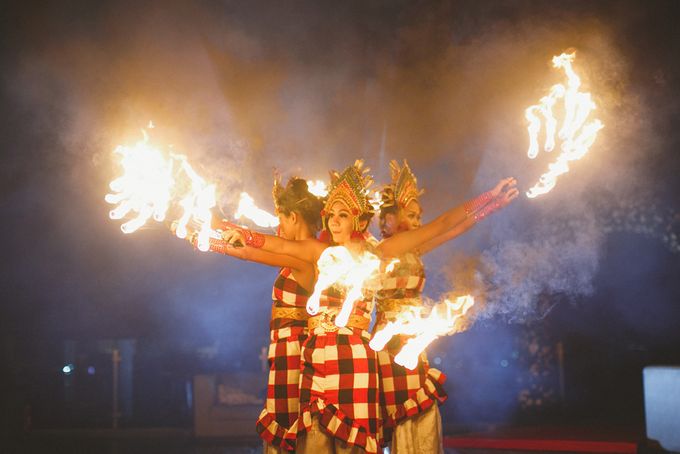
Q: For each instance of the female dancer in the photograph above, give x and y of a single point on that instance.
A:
(339, 406)
(299, 219)
(411, 420)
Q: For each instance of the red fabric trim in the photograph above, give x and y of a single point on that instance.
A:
(280, 437)
(332, 415)
(432, 391)
(541, 445)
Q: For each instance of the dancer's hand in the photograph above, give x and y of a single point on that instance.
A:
(191, 233)
(507, 196)
(234, 237)
(505, 185)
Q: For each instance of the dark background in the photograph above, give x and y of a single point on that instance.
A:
(305, 86)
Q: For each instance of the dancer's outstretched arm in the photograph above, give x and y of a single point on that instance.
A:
(452, 223)
(303, 271)
(448, 236)
(308, 250)
(252, 254)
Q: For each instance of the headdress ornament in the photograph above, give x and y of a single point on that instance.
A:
(351, 189)
(403, 189)
(277, 189)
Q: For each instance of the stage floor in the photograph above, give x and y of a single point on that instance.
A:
(526, 440)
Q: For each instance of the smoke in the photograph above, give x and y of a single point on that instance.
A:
(543, 251)
(242, 88)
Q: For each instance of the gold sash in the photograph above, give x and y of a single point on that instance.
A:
(326, 320)
(292, 313)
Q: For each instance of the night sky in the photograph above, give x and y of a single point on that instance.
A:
(243, 88)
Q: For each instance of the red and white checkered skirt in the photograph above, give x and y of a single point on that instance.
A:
(277, 422)
(339, 382)
(404, 393)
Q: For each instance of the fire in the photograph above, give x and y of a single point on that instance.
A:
(390, 266)
(248, 209)
(575, 134)
(376, 201)
(196, 204)
(150, 184)
(440, 321)
(337, 265)
(145, 186)
(318, 188)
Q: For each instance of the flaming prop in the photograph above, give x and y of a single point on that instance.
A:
(376, 201)
(337, 265)
(439, 322)
(196, 204)
(149, 186)
(248, 209)
(145, 186)
(576, 135)
(318, 188)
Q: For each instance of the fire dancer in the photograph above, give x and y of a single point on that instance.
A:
(339, 409)
(298, 211)
(339, 401)
(411, 419)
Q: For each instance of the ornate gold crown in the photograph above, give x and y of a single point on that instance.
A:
(351, 189)
(404, 187)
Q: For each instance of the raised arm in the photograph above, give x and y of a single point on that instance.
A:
(411, 240)
(452, 223)
(458, 230)
(306, 250)
(252, 254)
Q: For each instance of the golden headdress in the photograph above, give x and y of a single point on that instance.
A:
(277, 189)
(403, 189)
(351, 189)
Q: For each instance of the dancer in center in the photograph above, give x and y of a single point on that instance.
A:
(410, 398)
(339, 407)
(339, 399)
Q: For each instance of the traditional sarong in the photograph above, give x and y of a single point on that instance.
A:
(339, 382)
(404, 393)
(277, 422)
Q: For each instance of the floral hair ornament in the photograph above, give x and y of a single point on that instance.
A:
(403, 189)
(350, 188)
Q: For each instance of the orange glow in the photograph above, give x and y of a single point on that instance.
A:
(149, 186)
(576, 135)
(337, 265)
(441, 320)
(145, 187)
(247, 209)
(318, 188)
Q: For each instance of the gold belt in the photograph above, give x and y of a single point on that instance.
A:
(292, 313)
(398, 304)
(326, 320)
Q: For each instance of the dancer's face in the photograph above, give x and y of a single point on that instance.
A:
(407, 218)
(287, 225)
(340, 223)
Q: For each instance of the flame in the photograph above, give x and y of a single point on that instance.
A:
(148, 187)
(145, 186)
(196, 204)
(248, 209)
(337, 265)
(575, 134)
(318, 188)
(390, 266)
(376, 200)
(440, 321)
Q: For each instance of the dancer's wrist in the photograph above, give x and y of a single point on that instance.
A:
(474, 205)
